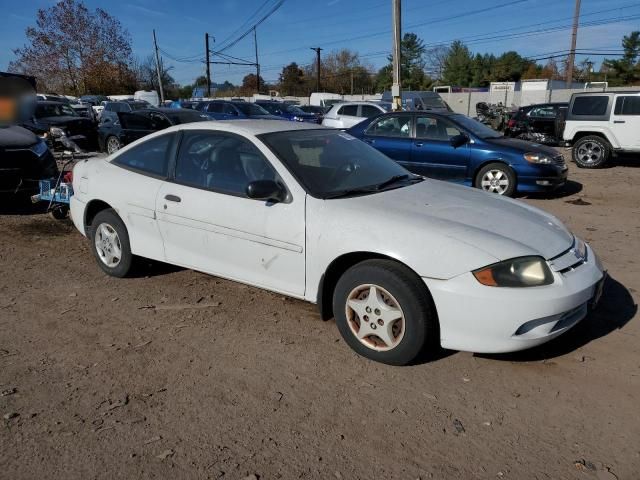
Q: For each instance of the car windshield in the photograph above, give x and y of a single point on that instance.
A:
(295, 110)
(475, 127)
(331, 164)
(54, 110)
(250, 109)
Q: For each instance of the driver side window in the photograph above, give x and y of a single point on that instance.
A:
(221, 163)
(391, 126)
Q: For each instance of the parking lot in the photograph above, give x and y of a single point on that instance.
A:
(176, 373)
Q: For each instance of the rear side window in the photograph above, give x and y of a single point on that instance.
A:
(590, 105)
(369, 111)
(150, 157)
(543, 112)
(391, 126)
(628, 105)
(214, 107)
(349, 110)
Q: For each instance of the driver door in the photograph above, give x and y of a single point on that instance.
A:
(209, 224)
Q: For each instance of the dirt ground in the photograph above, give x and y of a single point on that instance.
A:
(175, 374)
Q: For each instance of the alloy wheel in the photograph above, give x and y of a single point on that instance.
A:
(113, 145)
(495, 181)
(108, 246)
(375, 317)
(589, 152)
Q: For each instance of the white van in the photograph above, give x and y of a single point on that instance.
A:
(323, 99)
(150, 97)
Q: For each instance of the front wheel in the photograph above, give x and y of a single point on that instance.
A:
(384, 312)
(591, 152)
(110, 243)
(113, 144)
(496, 178)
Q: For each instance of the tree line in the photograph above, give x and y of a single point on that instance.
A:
(73, 50)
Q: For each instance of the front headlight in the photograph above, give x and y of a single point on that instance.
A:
(580, 247)
(537, 158)
(517, 272)
(57, 132)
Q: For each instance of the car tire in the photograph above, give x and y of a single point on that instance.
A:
(401, 312)
(112, 144)
(497, 177)
(110, 243)
(591, 152)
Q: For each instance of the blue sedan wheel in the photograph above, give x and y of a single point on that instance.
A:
(496, 178)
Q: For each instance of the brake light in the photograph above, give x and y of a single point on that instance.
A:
(68, 177)
(511, 123)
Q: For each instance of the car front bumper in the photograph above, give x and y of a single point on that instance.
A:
(543, 183)
(477, 318)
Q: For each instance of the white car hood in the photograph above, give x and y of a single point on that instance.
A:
(498, 226)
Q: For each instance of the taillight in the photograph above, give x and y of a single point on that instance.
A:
(68, 177)
(511, 123)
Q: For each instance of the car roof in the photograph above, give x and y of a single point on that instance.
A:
(249, 126)
(50, 102)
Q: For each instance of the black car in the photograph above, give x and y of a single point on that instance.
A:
(542, 123)
(114, 132)
(24, 160)
(66, 128)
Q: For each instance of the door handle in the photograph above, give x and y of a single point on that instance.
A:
(368, 140)
(619, 121)
(172, 198)
(418, 144)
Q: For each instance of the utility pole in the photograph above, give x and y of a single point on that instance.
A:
(255, 42)
(351, 81)
(396, 91)
(206, 49)
(574, 37)
(155, 44)
(317, 50)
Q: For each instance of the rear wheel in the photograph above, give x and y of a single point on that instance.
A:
(110, 243)
(496, 178)
(384, 312)
(591, 152)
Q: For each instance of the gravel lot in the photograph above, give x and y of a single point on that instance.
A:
(177, 374)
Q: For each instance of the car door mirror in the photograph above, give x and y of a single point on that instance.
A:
(458, 140)
(268, 190)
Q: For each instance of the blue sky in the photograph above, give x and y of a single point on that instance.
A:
(361, 25)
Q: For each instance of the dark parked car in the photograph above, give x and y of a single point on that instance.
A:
(24, 160)
(317, 110)
(287, 111)
(126, 127)
(66, 128)
(541, 123)
(454, 147)
(111, 109)
(225, 110)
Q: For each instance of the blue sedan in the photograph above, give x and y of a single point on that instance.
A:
(454, 147)
(227, 110)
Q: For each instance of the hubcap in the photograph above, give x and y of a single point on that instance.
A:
(375, 317)
(495, 181)
(589, 152)
(113, 145)
(108, 245)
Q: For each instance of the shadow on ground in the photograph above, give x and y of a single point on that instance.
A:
(617, 307)
(570, 188)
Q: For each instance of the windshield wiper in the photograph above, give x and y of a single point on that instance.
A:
(398, 178)
(351, 192)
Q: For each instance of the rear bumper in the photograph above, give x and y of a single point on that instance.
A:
(482, 319)
(77, 208)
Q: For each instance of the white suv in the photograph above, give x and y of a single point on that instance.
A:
(348, 114)
(599, 124)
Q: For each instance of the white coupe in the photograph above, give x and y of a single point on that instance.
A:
(403, 263)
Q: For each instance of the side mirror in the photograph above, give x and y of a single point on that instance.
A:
(458, 140)
(268, 190)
